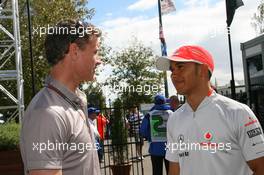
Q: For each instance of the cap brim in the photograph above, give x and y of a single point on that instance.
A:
(163, 63)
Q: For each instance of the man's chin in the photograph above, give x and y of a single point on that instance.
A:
(91, 78)
(180, 91)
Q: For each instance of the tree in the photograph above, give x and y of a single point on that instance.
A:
(119, 135)
(258, 18)
(134, 77)
(95, 96)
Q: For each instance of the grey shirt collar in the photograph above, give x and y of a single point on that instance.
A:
(76, 97)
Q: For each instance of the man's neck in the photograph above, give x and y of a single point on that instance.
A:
(196, 97)
(64, 77)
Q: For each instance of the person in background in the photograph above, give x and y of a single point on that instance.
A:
(174, 102)
(92, 116)
(102, 123)
(135, 119)
(153, 128)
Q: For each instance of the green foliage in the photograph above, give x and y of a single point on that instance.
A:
(258, 18)
(134, 71)
(43, 17)
(95, 96)
(104, 51)
(9, 136)
(119, 135)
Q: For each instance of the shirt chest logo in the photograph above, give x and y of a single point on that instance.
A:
(180, 138)
(208, 136)
(184, 154)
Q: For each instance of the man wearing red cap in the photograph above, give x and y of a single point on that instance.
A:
(210, 133)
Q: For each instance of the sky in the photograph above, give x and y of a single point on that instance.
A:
(199, 22)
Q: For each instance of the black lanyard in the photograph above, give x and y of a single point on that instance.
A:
(73, 104)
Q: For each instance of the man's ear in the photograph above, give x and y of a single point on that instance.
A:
(73, 51)
(204, 71)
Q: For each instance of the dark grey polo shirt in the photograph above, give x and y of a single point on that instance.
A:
(54, 135)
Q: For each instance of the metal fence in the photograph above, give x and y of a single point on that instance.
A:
(129, 146)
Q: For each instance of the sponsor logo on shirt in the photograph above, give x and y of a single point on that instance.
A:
(254, 132)
(184, 154)
(180, 138)
(208, 136)
(251, 121)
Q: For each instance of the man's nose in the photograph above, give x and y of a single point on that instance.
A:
(174, 72)
(98, 61)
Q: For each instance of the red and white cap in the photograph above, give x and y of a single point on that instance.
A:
(195, 54)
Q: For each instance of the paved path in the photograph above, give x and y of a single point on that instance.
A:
(147, 168)
(147, 161)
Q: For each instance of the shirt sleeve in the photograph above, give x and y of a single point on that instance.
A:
(171, 151)
(42, 132)
(250, 135)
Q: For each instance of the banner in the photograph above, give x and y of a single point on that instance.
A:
(231, 6)
(167, 6)
(163, 42)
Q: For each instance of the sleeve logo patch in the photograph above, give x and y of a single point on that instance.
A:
(251, 121)
(254, 132)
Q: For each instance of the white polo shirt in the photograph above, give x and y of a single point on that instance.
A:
(217, 139)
